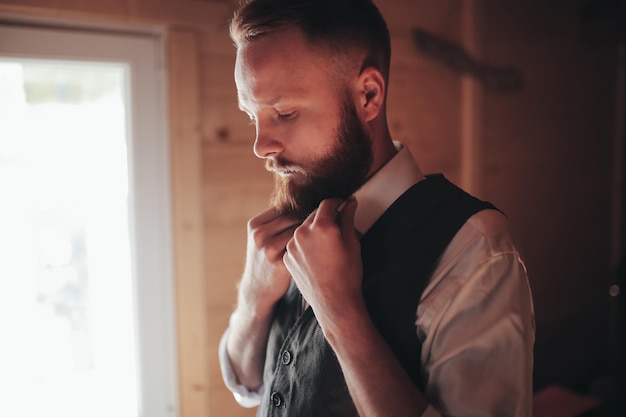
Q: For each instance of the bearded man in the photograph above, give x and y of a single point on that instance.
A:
(369, 289)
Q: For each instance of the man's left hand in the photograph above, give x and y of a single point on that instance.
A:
(324, 259)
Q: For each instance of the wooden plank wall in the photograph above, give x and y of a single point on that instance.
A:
(186, 165)
(543, 153)
(549, 164)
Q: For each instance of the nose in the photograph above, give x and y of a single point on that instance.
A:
(266, 144)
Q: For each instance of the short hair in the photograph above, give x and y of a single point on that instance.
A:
(341, 26)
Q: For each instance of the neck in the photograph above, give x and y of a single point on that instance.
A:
(383, 149)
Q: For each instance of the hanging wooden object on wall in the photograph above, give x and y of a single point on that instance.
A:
(456, 58)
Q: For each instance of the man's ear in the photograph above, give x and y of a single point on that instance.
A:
(371, 84)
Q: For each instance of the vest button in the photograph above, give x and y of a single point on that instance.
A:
(285, 358)
(276, 399)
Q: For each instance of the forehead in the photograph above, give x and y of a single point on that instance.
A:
(282, 65)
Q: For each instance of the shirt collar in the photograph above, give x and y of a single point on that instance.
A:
(384, 187)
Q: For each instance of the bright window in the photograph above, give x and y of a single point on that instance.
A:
(86, 315)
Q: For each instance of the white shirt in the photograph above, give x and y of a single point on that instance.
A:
(475, 318)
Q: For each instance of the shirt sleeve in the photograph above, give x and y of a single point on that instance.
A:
(476, 323)
(243, 396)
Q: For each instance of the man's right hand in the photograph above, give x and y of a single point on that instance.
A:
(265, 278)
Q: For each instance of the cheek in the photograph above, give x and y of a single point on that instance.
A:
(311, 140)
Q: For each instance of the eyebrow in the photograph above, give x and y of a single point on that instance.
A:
(269, 103)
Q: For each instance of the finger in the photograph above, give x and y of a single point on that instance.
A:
(285, 227)
(288, 258)
(327, 210)
(264, 229)
(280, 241)
(346, 217)
(271, 215)
(265, 216)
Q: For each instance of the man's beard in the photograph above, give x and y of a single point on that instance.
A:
(337, 175)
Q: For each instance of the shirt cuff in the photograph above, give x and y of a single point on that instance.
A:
(243, 396)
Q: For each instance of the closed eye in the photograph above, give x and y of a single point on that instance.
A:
(287, 116)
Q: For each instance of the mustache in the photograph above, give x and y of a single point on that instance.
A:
(283, 166)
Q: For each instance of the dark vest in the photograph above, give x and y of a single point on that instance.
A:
(302, 376)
